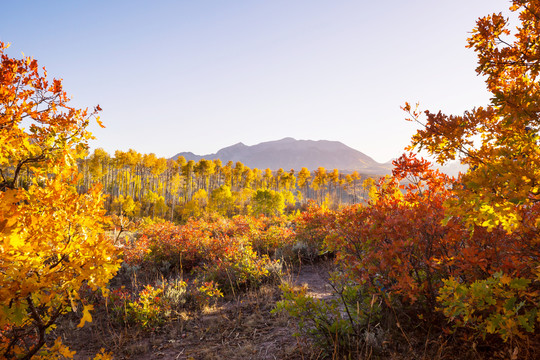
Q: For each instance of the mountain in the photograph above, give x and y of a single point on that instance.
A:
(289, 153)
(453, 168)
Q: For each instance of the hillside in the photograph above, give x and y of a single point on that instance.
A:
(289, 153)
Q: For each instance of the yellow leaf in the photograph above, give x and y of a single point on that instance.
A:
(16, 241)
(490, 327)
(505, 279)
(86, 315)
(99, 122)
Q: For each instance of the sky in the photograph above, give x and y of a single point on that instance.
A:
(200, 75)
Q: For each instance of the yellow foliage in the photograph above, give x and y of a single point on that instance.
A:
(86, 315)
(51, 237)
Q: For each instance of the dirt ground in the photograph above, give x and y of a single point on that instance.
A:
(240, 328)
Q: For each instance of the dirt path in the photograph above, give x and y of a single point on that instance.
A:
(315, 277)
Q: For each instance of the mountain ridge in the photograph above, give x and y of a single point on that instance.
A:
(289, 153)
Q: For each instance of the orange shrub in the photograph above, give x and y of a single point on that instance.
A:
(220, 249)
(405, 249)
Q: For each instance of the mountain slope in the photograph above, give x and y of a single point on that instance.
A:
(289, 153)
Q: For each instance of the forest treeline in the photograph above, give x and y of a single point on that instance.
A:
(144, 185)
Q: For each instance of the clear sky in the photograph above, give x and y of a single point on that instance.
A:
(198, 75)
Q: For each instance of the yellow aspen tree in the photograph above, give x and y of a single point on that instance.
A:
(304, 175)
(319, 183)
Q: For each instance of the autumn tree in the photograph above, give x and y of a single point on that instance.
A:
(304, 176)
(391, 244)
(499, 143)
(196, 206)
(319, 183)
(354, 179)
(187, 172)
(51, 238)
(278, 185)
(423, 269)
(222, 201)
(268, 202)
(267, 178)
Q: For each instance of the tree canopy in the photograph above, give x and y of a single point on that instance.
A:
(498, 141)
(51, 237)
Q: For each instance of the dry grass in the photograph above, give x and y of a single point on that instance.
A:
(241, 328)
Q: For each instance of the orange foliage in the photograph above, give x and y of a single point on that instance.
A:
(402, 249)
(223, 250)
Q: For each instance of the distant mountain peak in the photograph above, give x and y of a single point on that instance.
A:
(287, 139)
(289, 153)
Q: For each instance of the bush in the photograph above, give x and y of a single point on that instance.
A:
(499, 305)
(343, 326)
(313, 228)
(215, 248)
(428, 267)
(240, 268)
(148, 310)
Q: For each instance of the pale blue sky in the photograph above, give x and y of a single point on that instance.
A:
(199, 75)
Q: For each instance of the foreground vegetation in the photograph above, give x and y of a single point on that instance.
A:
(427, 266)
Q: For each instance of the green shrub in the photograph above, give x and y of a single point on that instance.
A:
(148, 311)
(240, 268)
(499, 305)
(343, 326)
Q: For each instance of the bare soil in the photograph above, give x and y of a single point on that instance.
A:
(315, 278)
